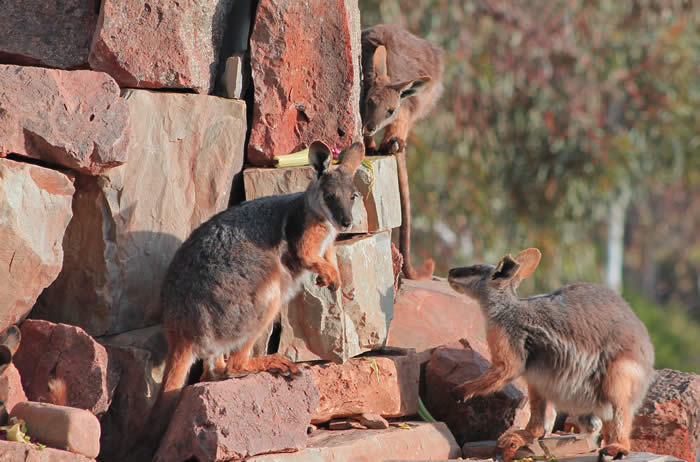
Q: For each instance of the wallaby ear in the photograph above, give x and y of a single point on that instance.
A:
(379, 61)
(353, 157)
(506, 270)
(320, 157)
(411, 87)
(528, 259)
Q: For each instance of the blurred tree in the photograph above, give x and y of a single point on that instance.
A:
(553, 112)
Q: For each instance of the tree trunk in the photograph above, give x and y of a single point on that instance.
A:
(616, 242)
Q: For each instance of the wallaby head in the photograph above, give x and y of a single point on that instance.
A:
(480, 281)
(383, 98)
(332, 196)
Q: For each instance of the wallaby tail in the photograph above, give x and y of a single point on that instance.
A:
(178, 363)
(58, 391)
(426, 270)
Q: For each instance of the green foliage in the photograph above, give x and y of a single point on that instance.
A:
(551, 110)
(674, 334)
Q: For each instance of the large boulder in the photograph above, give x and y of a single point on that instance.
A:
(160, 43)
(35, 208)
(385, 384)
(130, 221)
(238, 418)
(11, 390)
(306, 76)
(51, 33)
(428, 314)
(75, 119)
(320, 324)
(59, 351)
(481, 417)
(669, 420)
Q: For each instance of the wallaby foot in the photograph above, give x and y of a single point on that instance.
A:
(511, 441)
(275, 364)
(329, 278)
(214, 369)
(392, 146)
(616, 451)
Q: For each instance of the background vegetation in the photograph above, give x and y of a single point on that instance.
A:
(561, 122)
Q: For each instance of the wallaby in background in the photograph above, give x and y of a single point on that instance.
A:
(228, 280)
(579, 347)
(402, 80)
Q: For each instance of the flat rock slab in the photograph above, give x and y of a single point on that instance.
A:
(67, 353)
(672, 404)
(481, 417)
(336, 326)
(160, 43)
(11, 451)
(560, 446)
(75, 119)
(62, 427)
(428, 314)
(306, 76)
(379, 209)
(382, 385)
(432, 441)
(239, 418)
(51, 33)
(35, 209)
(129, 222)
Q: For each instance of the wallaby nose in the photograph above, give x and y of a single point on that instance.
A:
(369, 129)
(346, 222)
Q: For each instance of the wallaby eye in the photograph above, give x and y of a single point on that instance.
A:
(328, 197)
(354, 196)
(390, 112)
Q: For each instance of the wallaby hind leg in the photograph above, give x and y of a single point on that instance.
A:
(621, 386)
(510, 441)
(240, 363)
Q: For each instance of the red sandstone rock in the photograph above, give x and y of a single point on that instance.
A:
(51, 33)
(480, 418)
(129, 221)
(72, 118)
(35, 208)
(62, 427)
(306, 76)
(413, 441)
(11, 391)
(65, 352)
(11, 451)
(160, 43)
(383, 385)
(669, 420)
(428, 314)
(238, 418)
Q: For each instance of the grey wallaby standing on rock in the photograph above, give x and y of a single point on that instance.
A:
(579, 347)
(402, 80)
(227, 281)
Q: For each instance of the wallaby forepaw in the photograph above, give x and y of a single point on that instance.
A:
(393, 145)
(278, 364)
(613, 452)
(509, 442)
(332, 280)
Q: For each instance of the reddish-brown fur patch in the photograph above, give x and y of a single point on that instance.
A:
(505, 366)
(309, 253)
(620, 386)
